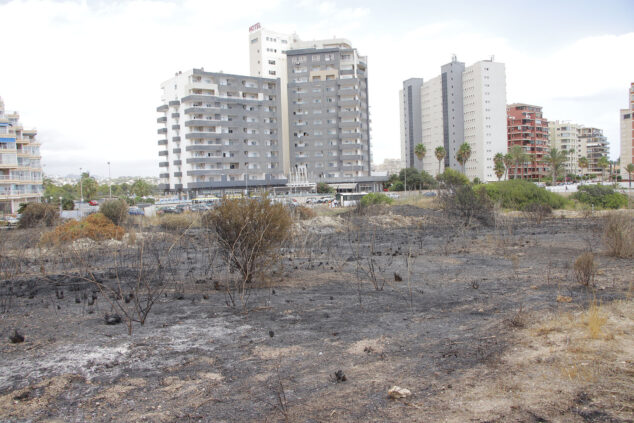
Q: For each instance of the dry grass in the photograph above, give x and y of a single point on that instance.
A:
(95, 226)
(418, 201)
(584, 269)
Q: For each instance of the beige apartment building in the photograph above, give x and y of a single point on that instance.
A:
(20, 163)
(565, 136)
(627, 134)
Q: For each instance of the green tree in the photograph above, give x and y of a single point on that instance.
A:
(583, 164)
(87, 186)
(603, 163)
(452, 178)
(324, 188)
(420, 150)
(555, 159)
(411, 178)
(463, 155)
(630, 169)
(140, 188)
(440, 153)
(508, 162)
(519, 158)
(499, 170)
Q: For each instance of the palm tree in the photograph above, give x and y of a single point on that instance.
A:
(630, 169)
(603, 163)
(420, 151)
(583, 164)
(555, 159)
(499, 170)
(464, 152)
(519, 157)
(508, 162)
(440, 153)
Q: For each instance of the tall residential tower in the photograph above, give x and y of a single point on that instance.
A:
(20, 163)
(627, 134)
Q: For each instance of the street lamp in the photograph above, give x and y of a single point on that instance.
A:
(109, 181)
(81, 186)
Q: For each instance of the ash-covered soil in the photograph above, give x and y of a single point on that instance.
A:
(401, 298)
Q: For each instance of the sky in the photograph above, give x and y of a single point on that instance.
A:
(87, 73)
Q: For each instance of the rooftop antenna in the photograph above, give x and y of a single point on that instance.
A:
(454, 58)
(492, 57)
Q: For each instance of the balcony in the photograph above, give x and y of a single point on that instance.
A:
(162, 153)
(164, 164)
(162, 108)
(162, 131)
(174, 103)
(162, 142)
(162, 119)
(176, 150)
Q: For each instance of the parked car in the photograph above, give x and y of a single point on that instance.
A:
(93, 203)
(135, 211)
(9, 222)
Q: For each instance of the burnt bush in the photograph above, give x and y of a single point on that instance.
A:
(584, 269)
(38, 214)
(466, 204)
(115, 210)
(537, 212)
(304, 213)
(176, 222)
(249, 232)
(618, 235)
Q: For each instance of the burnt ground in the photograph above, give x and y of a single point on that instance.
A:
(486, 324)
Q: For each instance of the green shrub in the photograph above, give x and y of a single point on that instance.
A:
(115, 210)
(35, 214)
(176, 222)
(518, 194)
(324, 188)
(451, 177)
(602, 196)
(397, 186)
(467, 204)
(375, 198)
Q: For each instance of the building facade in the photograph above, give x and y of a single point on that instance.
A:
(597, 146)
(329, 126)
(411, 125)
(464, 104)
(267, 59)
(565, 136)
(627, 134)
(20, 163)
(528, 128)
(219, 132)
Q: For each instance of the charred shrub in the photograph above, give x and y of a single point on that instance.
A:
(304, 213)
(584, 269)
(96, 227)
(176, 222)
(618, 235)
(466, 204)
(537, 212)
(38, 214)
(115, 210)
(249, 232)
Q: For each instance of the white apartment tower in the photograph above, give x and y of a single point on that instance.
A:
(267, 59)
(20, 163)
(463, 104)
(484, 108)
(566, 136)
(219, 132)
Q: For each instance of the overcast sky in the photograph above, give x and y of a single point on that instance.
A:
(87, 74)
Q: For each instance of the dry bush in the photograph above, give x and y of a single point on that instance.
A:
(115, 210)
(618, 235)
(595, 320)
(537, 212)
(304, 213)
(584, 269)
(96, 227)
(250, 233)
(176, 222)
(36, 214)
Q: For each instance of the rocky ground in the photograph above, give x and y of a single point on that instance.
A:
(479, 324)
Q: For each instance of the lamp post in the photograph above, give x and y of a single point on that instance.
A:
(81, 186)
(109, 181)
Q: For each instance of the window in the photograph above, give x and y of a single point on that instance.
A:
(255, 40)
(271, 62)
(271, 72)
(316, 58)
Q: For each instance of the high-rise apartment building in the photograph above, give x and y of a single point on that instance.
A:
(267, 59)
(411, 125)
(528, 128)
(219, 131)
(566, 136)
(329, 126)
(463, 104)
(20, 163)
(627, 134)
(597, 146)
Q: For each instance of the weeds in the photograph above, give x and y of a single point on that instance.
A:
(584, 269)
(618, 235)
